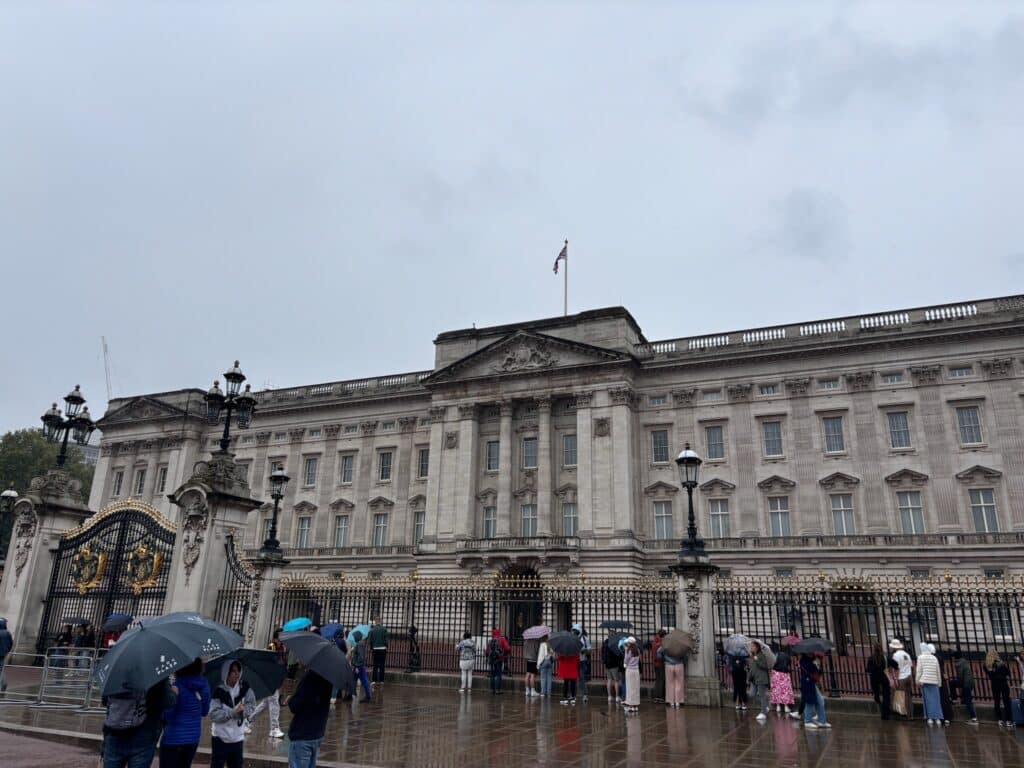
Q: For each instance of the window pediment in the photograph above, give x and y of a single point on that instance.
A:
(660, 488)
(839, 480)
(304, 508)
(906, 477)
(487, 495)
(776, 483)
(342, 504)
(380, 502)
(566, 492)
(717, 485)
(978, 474)
(418, 501)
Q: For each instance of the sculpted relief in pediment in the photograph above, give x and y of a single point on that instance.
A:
(525, 355)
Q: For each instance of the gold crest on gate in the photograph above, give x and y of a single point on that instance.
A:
(87, 568)
(143, 568)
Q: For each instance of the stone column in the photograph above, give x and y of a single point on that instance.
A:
(293, 467)
(327, 484)
(433, 508)
(505, 470)
(694, 606)
(584, 463)
(261, 604)
(544, 522)
(465, 505)
(623, 461)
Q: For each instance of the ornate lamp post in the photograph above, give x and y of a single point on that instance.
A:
(271, 549)
(242, 404)
(689, 465)
(7, 499)
(75, 422)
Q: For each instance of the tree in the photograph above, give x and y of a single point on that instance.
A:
(25, 454)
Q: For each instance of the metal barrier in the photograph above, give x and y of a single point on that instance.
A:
(67, 680)
(20, 682)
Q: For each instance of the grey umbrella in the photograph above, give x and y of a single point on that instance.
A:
(320, 655)
(261, 670)
(565, 643)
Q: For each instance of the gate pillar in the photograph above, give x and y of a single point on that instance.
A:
(268, 578)
(214, 501)
(52, 505)
(694, 601)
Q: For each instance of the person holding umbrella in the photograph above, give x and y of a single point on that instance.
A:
(132, 726)
(467, 659)
(812, 698)
(233, 703)
(659, 666)
(612, 660)
(272, 703)
(309, 705)
(566, 646)
(357, 657)
(673, 649)
(781, 685)
(586, 647)
(545, 661)
(182, 721)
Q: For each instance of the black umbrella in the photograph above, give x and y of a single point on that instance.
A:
(116, 622)
(260, 669)
(615, 624)
(614, 642)
(160, 646)
(320, 655)
(565, 643)
(813, 645)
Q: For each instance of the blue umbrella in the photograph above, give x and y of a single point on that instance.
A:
(330, 630)
(294, 625)
(362, 629)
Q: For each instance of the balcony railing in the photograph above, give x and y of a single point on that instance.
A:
(505, 543)
(861, 541)
(393, 549)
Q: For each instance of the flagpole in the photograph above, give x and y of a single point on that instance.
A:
(565, 293)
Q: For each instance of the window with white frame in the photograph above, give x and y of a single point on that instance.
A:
(710, 395)
(315, 432)
(1002, 622)
(911, 512)
(569, 450)
(719, 512)
(899, 429)
(419, 522)
(161, 478)
(892, 377)
(340, 531)
(968, 420)
(767, 390)
(422, 463)
(303, 526)
(828, 384)
(350, 429)
(714, 442)
(348, 466)
(659, 446)
(834, 442)
(387, 426)
(657, 400)
(961, 372)
(309, 471)
(380, 529)
(140, 481)
(663, 520)
(528, 520)
(529, 453)
(778, 515)
(983, 510)
(490, 527)
(772, 434)
(493, 454)
(842, 513)
(384, 466)
(570, 519)
(276, 465)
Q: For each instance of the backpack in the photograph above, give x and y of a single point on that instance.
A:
(494, 654)
(125, 711)
(467, 653)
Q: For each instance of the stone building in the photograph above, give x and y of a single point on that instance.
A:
(889, 443)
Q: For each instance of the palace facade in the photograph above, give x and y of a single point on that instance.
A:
(878, 444)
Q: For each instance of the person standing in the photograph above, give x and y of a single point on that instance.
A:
(814, 702)
(6, 644)
(659, 667)
(414, 652)
(780, 683)
(545, 662)
(131, 728)
(467, 660)
(631, 659)
(497, 654)
(929, 678)
(612, 668)
(965, 682)
(674, 678)
(876, 667)
(738, 669)
(378, 642)
(530, 650)
(357, 657)
(273, 702)
(999, 675)
(904, 675)
(85, 646)
(233, 702)
(760, 676)
(309, 705)
(182, 721)
(586, 647)
(63, 649)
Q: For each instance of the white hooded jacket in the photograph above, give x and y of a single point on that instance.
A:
(928, 671)
(225, 724)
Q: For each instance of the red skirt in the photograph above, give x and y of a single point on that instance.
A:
(569, 667)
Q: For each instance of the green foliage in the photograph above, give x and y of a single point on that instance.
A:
(25, 454)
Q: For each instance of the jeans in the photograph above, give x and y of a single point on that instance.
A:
(584, 675)
(739, 687)
(568, 689)
(3, 675)
(361, 678)
(302, 754)
(466, 673)
(496, 670)
(761, 694)
(223, 753)
(659, 682)
(810, 704)
(968, 697)
(177, 755)
(134, 750)
(379, 657)
(932, 702)
(545, 679)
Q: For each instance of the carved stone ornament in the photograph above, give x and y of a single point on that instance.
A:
(143, 568)
(407, 423)
(56, 484)
(797, 386)
(331, 431)
(926, 374)
(220, 472)
(254, 604)
(583, 399)
(738, 392)
(87, 567)
(692, 591)
(262, 438)
(999, 368)
(196, 520)
(1010, 304)
(525, 356)
(24, 531)
(602, 427)
(438, 412)
(684, 397)
(623, 396)
(543, 405)
(860, 381)
(368, 427)
(296, 435)
(467, 411)
(451, 439)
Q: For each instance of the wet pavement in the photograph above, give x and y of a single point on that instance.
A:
(424, 726)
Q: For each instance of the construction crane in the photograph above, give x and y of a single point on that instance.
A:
(106, 368)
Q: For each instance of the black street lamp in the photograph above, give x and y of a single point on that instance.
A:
(74, 423)
(689, 466)
(7, 499)
(242, 404)
(271, 549)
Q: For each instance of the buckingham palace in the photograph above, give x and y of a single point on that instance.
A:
(888, 444)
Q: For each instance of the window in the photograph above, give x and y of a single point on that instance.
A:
(719, 518)
(387, 426)
(423, 463)
(778, 515)
(380, 529)
(384, 466)
(529, 453)
(340, 531)
(842, 513)
(663, 520)
(961, 372)
(657, 400)
(140, 482)
(726, 617)
(772, 431)
(315, 432)
(968, 419)
(280, 435)
(994, 573)
(659, 446)
(302, 532)
(920, 573)
(276, 466)
(309, 471)
(348, 464)
(1002, 622)
(783, 573)
(351, 429)
(911, 515)
(828, 384)
(266, 530)
(570, 519)
(241, 469)
(161, 478)
(419, 522)
(714, 442)
(894, 377)
(528, 520)
(568, 450)
(767, 390)
(115, 489)
(834, 442)
(983, 509)
(711, 394)
(492, 455)
(899, 429)
(490, 529)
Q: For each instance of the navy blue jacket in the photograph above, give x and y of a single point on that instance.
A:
(310, 705)
(183, 720)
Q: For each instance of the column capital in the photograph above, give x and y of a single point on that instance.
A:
(583, 399)
(543, 404)
(623, 396)
(467, 411)
(438, 412)
(506, 408)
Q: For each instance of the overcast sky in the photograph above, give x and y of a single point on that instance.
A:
(320, 189)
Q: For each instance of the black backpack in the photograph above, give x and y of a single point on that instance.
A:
(125, 711)
(494, 654)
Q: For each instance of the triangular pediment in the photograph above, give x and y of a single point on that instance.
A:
(717, 485)
(906, 477)
(839, 480)
(978, 473)
(660, 488)
(342, 504)
(525, 353)
(142, 408)
(419, 500)
(305, 507)
(776, 483)
(380, 501)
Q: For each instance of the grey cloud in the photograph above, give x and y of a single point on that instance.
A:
(811, 224)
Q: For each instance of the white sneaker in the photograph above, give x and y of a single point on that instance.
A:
(462, 690)
(564, 702)
(812, 725)
(794, 715)
(277, 733)
(824, 725)
(762, 717)
(611, 698)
